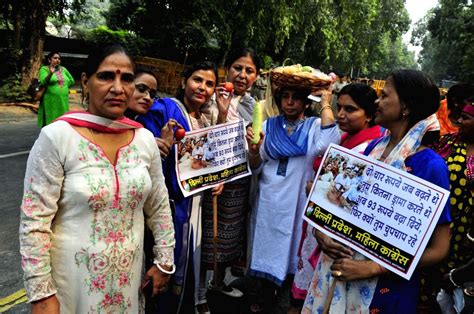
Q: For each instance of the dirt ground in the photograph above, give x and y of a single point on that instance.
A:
(14, 112)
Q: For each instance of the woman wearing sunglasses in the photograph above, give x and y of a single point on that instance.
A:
(144, 94)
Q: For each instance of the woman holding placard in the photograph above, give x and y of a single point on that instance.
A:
(164, 118)
(242, 66)
(406, 108)
(355, 116)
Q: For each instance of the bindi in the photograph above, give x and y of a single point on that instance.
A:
(118, 71)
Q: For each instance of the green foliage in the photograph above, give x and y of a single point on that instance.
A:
(103, 35)
(335, 35)
(332, 35)
(446, 36)
(91, 15)
(13, 91)
(267, 62)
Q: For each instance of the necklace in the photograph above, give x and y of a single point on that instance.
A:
(290, 126)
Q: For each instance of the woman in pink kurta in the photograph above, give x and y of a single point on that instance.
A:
(93, 178)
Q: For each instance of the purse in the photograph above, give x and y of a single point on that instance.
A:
(39, 93)
(36, 90)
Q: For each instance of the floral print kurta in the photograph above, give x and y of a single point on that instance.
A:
(82, 220)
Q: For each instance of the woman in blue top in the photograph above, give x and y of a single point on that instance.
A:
(407, 109)
(198, 85)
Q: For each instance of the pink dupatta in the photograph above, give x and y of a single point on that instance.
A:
(97, 123)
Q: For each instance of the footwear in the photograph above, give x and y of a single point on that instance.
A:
(256, 308)
(229, 291)
(202, 304)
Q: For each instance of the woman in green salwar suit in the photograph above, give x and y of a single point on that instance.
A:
(57, 80)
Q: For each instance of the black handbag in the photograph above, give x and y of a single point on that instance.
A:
(36, 90)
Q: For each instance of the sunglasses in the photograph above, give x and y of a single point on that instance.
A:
(142, 88)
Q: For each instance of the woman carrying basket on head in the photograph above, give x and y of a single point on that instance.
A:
(283, 159)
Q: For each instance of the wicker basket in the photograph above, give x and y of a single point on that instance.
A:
(299, 82)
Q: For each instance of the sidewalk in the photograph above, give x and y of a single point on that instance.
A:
(12, 113)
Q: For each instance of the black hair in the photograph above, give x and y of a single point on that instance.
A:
(243, 52)
(418, 92)
(298, 93)
(96, 57)
(50, 55)
(364, 96)
(458, 94)
(140, 71)
(202, 65)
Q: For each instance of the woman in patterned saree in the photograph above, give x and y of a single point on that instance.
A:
(93, 179)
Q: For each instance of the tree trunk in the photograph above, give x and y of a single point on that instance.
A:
(17, 30)
(33, 35)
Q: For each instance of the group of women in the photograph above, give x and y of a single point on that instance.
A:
(102, 200)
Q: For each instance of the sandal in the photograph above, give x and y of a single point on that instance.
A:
(256, 308)
(229, 291)
(202, 304)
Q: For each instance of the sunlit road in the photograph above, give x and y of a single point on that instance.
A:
(16, 140)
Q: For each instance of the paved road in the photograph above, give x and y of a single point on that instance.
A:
(16, 140)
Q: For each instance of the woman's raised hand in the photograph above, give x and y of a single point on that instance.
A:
(325, 94)
(223, 98)
(326, 114)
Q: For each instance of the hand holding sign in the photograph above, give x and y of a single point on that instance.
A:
(211, 156)
(350, 269)
(332, 248)
(384, 213)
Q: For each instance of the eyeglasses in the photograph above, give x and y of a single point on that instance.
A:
(142, 88)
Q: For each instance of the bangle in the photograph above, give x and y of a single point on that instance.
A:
(451, 278)
(324, 107)
(469, 237)
(168, 272)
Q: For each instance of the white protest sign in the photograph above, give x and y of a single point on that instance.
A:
(385, 213)
(210, 156)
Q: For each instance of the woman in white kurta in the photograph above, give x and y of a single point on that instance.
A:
(284, 159)
(92, 180)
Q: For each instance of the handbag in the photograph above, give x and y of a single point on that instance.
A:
(36, 90)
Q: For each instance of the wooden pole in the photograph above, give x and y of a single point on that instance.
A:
(214, 231)
(327, 304)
